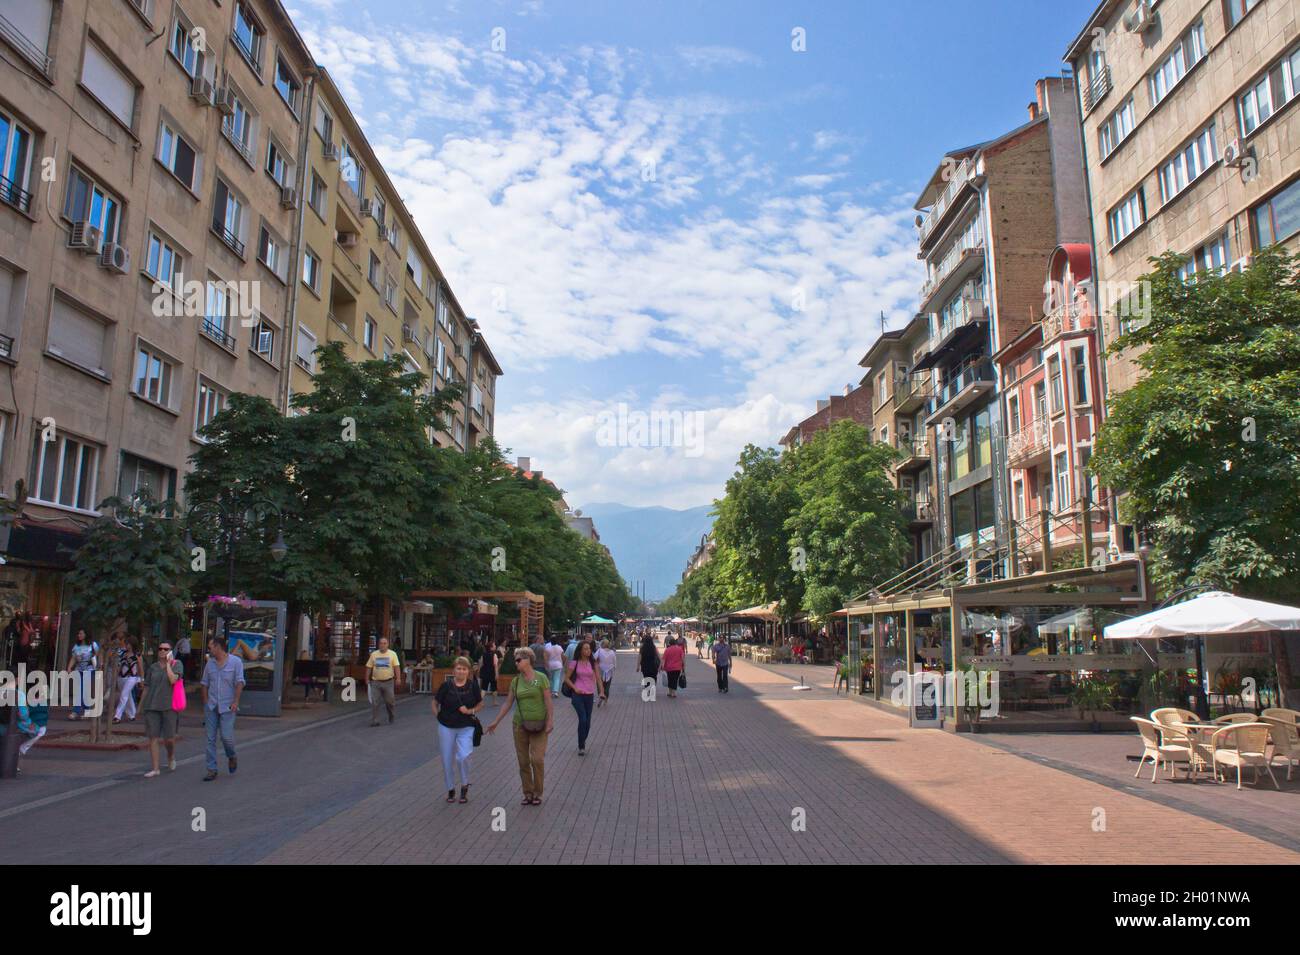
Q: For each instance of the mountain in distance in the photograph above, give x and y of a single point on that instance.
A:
(650, 543)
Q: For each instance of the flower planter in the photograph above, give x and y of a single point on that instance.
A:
(504, 683)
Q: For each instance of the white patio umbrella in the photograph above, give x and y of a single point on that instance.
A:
(1211, 613)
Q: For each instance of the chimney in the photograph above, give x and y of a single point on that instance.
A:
(847, 388)
(1033, 111)
(823, 404)
(525, 464)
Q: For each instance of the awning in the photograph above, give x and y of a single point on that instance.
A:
(1212, 613)
(596, 620)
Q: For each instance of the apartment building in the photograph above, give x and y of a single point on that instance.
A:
(368, 279)
(1051, 403)
(899, 408)
(987, 217)
(145, 242)
(853, 404)
(1190, 139)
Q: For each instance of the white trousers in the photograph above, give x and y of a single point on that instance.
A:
(126, 697)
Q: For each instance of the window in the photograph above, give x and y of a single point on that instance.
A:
(1079, 369)
(1126, 217)
(109, 84)
(1018, 500)
(277, 164)
(31, 20)
(390, 294)
(15, 162)
(182, 49)
(228, 217)
(441, 362)
(1234, 10)
(1188, 163)
(178, 155)
(369, 333)
(311, 270)
(1278, 217)
(272, 253)
(264, 334)
(959, 449)
(1088, 480)
(414, 267)
(1187, 52)
(1270, 93)
(217, 311)
(139, 476)
(249, 36)
(1213, 256)
(351, 171)
(79, 336)
(1116, 128)
(154, 374)
(305, 351)
(65, 471)
(1013, 412)
(211, 402)
(324, 123)
(316, 194)
(238, 126)
(884, 434)
(395, 236)
(1054, 378)
(389, 347)
(88, 201)
(1040, 401)
(1062, 468)
(164, 262)
(286, 84)
(372, 273)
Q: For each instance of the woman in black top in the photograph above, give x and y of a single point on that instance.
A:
(487, 669)
(648, 660)
(456, 703)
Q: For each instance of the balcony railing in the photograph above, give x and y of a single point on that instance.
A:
(972, 309)
(1097, 89)
(228, 130)
(963, 377)
(1071, 317)
(919, 510)
(912, 391)
(230, 239)
(955, 258)
(960, 176)
(12, 195)
(24, 45)
(1029, 443)
(6, 346)
(217, 333)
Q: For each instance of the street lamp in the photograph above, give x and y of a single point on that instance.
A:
(234, 518)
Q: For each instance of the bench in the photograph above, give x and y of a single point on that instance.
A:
(312, 674)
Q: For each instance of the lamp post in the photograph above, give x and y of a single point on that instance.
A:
(235, 517)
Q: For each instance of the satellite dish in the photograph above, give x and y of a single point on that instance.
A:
(577, 513)
(920, 220)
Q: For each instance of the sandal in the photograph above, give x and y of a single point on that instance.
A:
(528, 801)
(464, 794)
(537, 800)
(451, 795)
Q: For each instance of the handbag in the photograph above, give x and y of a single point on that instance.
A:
(565, 688)
(681, 680)
(178, 696)
(478, 732)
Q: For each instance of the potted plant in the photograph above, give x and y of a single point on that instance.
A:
(441, 670)
(507, 672)
(1091, 695)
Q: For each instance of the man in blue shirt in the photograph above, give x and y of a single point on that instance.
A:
(722, 662)
(223, 683)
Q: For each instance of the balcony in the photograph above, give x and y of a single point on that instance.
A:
(963, 176)
(912, 392)
(915, 454)
(6, 346)
(966, 383)
(241, 147)
(12, 195)
(952, 269)
(919, 510)
(1064, 319)
(967, 328)
(213, 330)
(231, 240)
(1097, 89)
(1030, 446)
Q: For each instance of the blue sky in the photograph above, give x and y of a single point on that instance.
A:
(666, 208)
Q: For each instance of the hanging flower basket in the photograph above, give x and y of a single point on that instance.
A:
(224, 606)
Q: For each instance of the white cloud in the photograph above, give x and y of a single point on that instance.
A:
(624, 227)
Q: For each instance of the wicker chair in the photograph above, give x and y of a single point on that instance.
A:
(1286, 742)
(1229, 718)
(1173, 714)
(1242, 744)
(1158, 751)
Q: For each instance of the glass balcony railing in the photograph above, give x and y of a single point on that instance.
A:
(961, 378)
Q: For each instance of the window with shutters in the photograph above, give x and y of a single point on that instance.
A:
(79, 337)
(108, 83)
(305, 351)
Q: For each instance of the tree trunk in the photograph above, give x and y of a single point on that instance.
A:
(1282, 660)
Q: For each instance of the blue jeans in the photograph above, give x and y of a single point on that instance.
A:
(557, 679)
(582, 705)
(456, 746)
(212, 721)
(85, 682)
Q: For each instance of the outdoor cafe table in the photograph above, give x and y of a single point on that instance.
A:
(1200, 734)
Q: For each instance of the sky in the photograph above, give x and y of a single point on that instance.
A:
(677, 223)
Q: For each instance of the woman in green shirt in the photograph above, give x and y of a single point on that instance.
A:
(534, 719)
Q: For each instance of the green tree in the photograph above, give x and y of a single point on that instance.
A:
(1205, 448)
(753, 542)
(846, 526)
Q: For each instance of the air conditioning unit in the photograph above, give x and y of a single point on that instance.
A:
(1142, 19)
(408, 335)
(331, 152)
(348, 240)
(289, 197)
(85, 237)
(201, 90)
(1233, 154)
(368, 207)
(115, 257)
(226, 101)
(264, 342)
